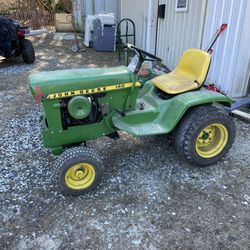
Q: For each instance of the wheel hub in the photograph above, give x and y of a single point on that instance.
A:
(206, 136)
(211, 140)
(80, 176)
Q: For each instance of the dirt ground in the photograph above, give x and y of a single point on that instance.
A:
(148, 199)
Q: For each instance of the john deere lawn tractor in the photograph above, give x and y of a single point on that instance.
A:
(86, 104)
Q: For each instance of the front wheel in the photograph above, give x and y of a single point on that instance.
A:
(204, 135)
(27, 51)
(79, 170)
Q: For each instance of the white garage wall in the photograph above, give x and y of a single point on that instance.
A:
(179, 31)
(137, 11)
(106, 6)
(241, 85)
(230, 67)
(227, 70)
(82, 8)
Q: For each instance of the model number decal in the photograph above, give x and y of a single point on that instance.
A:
(92, 91)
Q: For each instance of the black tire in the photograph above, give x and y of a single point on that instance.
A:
(67, 162)
(193, 124)
(27, 51)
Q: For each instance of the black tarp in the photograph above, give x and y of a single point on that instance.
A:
(8, 37)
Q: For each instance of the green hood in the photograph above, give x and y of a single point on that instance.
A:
(74, 79)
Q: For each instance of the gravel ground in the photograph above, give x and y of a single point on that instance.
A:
(148, 199)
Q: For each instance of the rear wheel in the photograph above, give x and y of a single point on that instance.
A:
(79, 170)
(27, 51)
(204, 135)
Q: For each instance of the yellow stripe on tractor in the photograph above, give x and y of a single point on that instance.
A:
(92, 91)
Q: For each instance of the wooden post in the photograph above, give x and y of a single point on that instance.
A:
(34, 15)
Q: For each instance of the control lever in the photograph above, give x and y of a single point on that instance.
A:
(122, 113)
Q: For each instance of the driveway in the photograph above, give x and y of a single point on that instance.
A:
(148, 199)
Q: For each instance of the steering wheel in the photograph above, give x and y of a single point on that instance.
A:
(143, 56)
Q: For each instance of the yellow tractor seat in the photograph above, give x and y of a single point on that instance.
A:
(189, 74)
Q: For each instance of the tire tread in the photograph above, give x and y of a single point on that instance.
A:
(27, 51)
(185, 130)
(69, 155)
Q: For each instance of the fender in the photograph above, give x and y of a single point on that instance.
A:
(180, 104)
(161, 116)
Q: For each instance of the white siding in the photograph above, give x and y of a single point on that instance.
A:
(230, 67)
(106, 6)
(241, 85)
(82, 8)
(137, 11)
(179, 31)
(225, 61)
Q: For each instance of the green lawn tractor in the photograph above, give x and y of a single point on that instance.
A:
(86, 104)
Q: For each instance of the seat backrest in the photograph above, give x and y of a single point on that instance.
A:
(194, 64)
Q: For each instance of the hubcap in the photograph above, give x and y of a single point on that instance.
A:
(211, 140)
(80, 176)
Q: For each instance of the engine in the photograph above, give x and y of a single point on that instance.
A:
(80, 110)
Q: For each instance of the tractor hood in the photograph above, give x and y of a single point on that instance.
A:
(46, 83)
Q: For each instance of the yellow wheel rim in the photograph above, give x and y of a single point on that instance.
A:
(211, 140)
(80, 176)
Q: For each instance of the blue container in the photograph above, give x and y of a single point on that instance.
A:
(103, 36)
